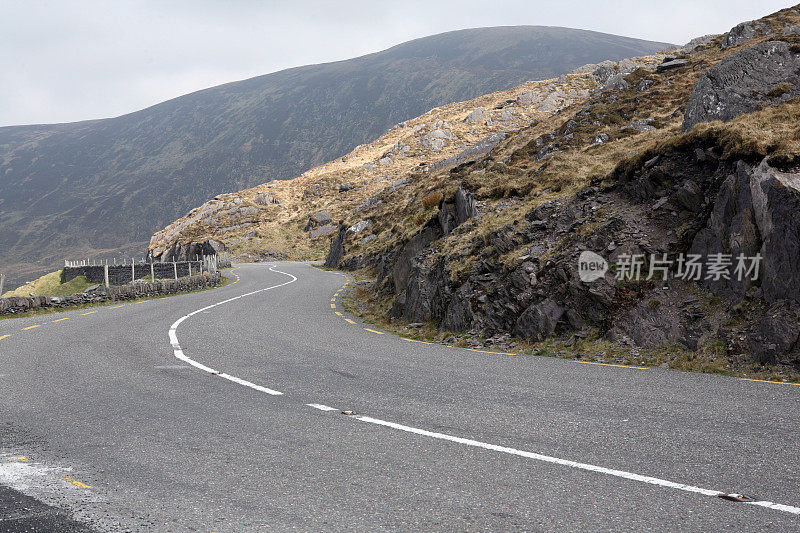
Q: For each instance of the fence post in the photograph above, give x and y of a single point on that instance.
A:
(152, 272)
(2, 282)
(175, 269)
(105, 274)
(190, 268)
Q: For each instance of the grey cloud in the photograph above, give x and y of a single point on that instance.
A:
(73, 61)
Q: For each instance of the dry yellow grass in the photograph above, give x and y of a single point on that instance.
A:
(512, 183)
(50, 285)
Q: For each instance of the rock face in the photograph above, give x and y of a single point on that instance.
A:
(327, 229)
(337, 248)
(698, 42)
(265, 199)
(320, 218)
(359, 226)
(669, 65)
(775, 337)
(756, 212)
(765, 73)
(741, 33)
(477, 115)
(539, 321)
(437, 139)
(459, 211)
(728, 207)
(471, 152)
(184, 252)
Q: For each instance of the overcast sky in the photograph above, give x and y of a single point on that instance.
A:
(64, 61)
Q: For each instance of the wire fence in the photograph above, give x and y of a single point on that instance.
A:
(114, 272)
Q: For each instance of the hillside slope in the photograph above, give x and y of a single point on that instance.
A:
(84, 188)
(678, 181)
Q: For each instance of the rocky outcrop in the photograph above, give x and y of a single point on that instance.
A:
(320, 218)
(453, 214)
(336, 251)
(698, 43)
(756, 212)
(265, 199)
(321, 231)
(728, 207)
(539, 321)
(671, 64)
(480, 148)
(775, 338)
(744, 32)
(767, 73)
(188, 251)
(478, 114)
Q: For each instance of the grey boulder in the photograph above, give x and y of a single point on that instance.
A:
(741, 33)
(743, 82)
(539, 320)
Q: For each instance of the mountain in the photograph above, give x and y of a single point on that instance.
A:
(103, 186)
(642, 212)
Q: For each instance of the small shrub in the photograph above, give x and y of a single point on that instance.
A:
(780, 89)
(432, 200)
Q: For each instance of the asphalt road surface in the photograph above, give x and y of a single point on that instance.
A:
(222, 411)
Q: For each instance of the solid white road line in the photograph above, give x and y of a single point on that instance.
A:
(321, 407)
(565, 462)
(460, 440)
(178, 352)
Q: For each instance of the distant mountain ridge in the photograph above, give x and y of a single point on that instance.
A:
(104, 186)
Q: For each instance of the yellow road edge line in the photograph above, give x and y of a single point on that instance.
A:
(118, 306)
(19, 458)
(337, 313)
(31, 327)
(415, 340)
(77, 483)
(89, 313)
(762, 381)
(61, 319)
(333, 299)
(610, 364)
(333, 306)
(351, 321)
(4, 337)
(487, 351)
(373, 331)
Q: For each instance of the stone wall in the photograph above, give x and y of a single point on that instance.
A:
(121, 274)
(102, 294)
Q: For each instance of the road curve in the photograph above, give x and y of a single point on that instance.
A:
(221, 411)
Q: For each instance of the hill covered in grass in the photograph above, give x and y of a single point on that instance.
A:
(471, 219)
(104, 186)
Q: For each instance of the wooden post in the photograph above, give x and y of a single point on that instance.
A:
(2, 282)
(175, 268)
(152, 272)
(190, 268)
(105, 273)
(133, 271)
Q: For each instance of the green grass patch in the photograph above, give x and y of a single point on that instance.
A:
(54, 310)
(50, 285)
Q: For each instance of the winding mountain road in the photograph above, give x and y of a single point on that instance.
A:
(222, 411)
